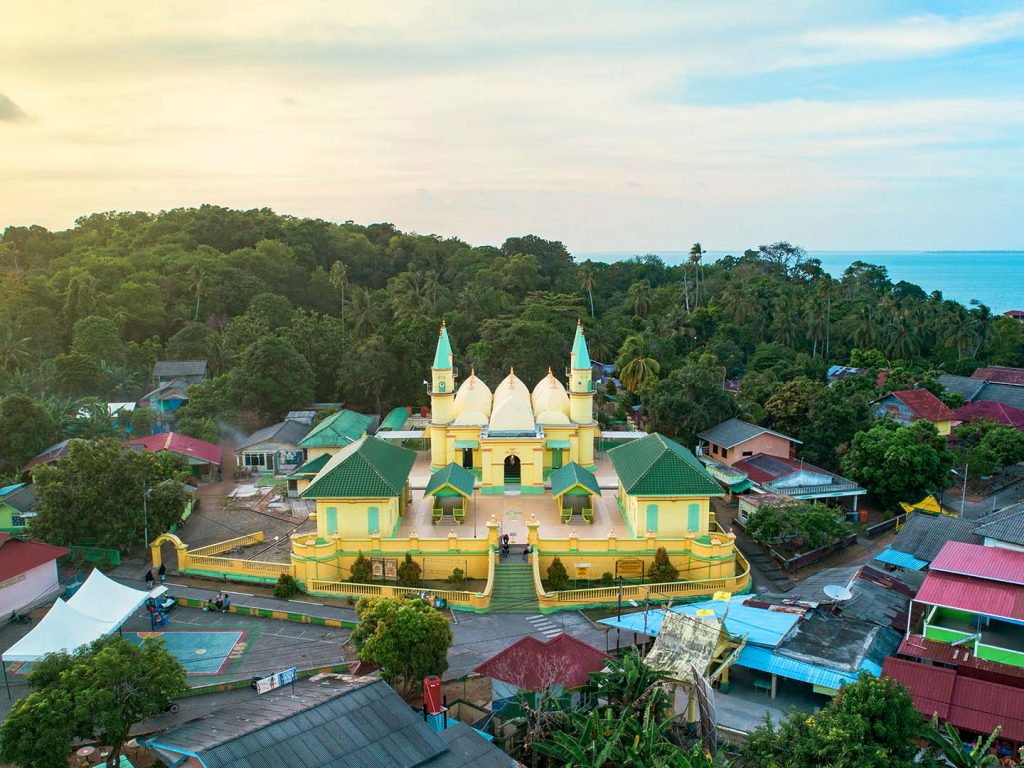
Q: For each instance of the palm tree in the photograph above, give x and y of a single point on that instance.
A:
(362, 312)
(338, 278)
(960, 329)
(696, 254)
(636, 367)
(865, 329)
(639, 296)
(13, 351)
(587, 283)
(902, 338)
(195, 280)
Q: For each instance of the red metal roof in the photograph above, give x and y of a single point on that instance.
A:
(765, 471)
(18, 556)
(969, 703)
(1017, 314)
(966, 593)
(995, 563)
(53, 453)
(924, 405)
(189, 447)
(931, 687)
(533, 665)
(988, 410)
(918, 647)
(1000, 374)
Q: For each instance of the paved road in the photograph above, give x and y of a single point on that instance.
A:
(974, 509)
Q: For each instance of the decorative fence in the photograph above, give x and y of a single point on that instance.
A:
(91, 553)
(226, 546)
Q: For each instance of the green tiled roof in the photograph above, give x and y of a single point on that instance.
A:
(394, 420)
(657, 466)
(443, 355)
(341, 428)
(572, 475)
(367, 469)
(459, 478)
(310, 468)
(580, 355)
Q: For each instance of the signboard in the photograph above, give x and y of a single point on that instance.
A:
(707, 715)
(629, 569)
(377, 568)
(276, 680)
(582, 570)
(390, 569)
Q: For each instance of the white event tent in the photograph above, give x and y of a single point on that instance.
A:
(99, 607)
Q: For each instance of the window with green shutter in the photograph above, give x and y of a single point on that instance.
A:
(693, 523)
(332, 520)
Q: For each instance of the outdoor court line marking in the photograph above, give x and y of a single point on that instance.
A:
(307, 602)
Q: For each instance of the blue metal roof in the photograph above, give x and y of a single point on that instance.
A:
(761, 626)
(10, 488)
(765, 660)
(902, 559)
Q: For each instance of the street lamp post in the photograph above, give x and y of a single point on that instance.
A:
(145, 514)
(963, 492)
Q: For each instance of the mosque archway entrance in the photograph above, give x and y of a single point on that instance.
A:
(513, 470)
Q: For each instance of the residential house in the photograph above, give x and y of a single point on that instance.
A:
(272, 449)
(923, 536)
(302, 417)
(988, 410)
(1015, 314)
(299, 478)
(906, 406)
(1003, 529)
(1000, 374)
(798, 479)
(188, 371)
(164, 401)
(529, 667)
(28, 573)
(331, 721)
(663, 489)
(963, 385)
(17, 505)
(839, 372)
(335, 432)
(972, 694)
(974, 390)
(55, 452)
(362, 490)
(735, 439)
(973, 596)
(203, 458)
(749, 503)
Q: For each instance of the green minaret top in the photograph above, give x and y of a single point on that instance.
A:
(580, 355)
(443, 356)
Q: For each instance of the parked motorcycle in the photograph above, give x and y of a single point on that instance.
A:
(19, 618)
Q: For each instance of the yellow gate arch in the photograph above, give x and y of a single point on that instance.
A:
(179, 545)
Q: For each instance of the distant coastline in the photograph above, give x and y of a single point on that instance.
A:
(993, 278)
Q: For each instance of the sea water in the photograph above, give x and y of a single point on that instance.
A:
(993, 278)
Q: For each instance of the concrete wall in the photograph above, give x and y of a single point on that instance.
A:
(769, 444)
(673, 514)
(28, 588)
(352, 516)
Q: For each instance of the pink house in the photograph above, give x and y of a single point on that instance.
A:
(28, 573)
(735, 440)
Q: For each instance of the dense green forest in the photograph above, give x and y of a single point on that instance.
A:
(290, 311)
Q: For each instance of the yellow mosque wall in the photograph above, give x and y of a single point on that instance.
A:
(352, 517)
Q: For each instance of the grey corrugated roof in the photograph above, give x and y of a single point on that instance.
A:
(353, 724)
(735, 431)
(285, 432)
(923, 535)
(1006, 524)
(23, 499)
(167, 368)
(965, 385)
(1007, 394)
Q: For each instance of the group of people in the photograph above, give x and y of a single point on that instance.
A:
(506, 548)
(221, 603)
(150, 579)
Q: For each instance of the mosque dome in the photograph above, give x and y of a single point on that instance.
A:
(550, 401)
(472, 396)
(512, 410)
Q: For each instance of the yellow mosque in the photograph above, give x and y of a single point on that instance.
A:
(512, 438)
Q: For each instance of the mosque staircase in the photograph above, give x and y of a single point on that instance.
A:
(513, 590)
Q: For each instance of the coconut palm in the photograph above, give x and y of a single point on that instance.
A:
(696, 254)
(338, 278)
(636, 366)
(587, 283)
(639, 297)
(13, 350)
(362, 313)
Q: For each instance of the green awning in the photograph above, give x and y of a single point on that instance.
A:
(467, 443)
(572, 478)
(310, 469)
(564, 444)
(451, 477)
(741, 486)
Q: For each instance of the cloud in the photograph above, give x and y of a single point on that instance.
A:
(9, 111)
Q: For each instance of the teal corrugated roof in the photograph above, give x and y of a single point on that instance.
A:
(339, 429)
(394, 420)
(454, 476)
(311, 468)
(580, 355)
(10, 489)
(902, 559)
(368, 469)
(571, 475)
(443, 355)
(657, 466)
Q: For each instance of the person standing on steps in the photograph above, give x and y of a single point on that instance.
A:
(149, 578)
(162, 572)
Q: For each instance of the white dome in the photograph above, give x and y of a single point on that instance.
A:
(472, 395)
(551, 400)
(470, 419)
(512, 410)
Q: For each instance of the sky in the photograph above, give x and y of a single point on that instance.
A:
(609, 126)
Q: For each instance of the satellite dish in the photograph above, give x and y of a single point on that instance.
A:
(837, 593)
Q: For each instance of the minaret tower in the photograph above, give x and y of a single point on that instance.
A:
(442, 397)
(581, 396)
